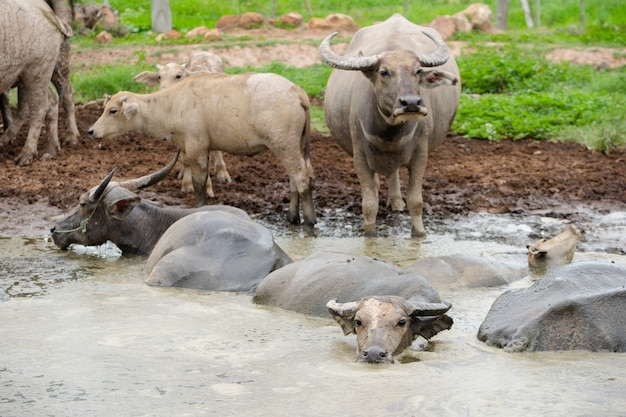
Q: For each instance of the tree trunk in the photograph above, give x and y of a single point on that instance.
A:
(502, 14)
(538, 13)
(161, 15)
(527, 14)
(583, 19)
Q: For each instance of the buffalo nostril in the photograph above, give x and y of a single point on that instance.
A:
(90, 132)
(374, 354)
(412, 101)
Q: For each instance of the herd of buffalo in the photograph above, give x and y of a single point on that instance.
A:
(389, 101)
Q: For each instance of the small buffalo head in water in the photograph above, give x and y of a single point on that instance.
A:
(544, 255)
(386, 325)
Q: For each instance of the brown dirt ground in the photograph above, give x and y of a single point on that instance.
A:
(463, 175)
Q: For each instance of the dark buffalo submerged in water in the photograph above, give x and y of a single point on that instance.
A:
(580, 306)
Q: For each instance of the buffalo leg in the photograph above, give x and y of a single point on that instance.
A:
(187, 184)
(36, 109)
(199, 174)
(300, 172)
(221, 172)
(394, 197)
(414, 194)
(5, 108)
(294, 202)
(369, 194)
(51, 146)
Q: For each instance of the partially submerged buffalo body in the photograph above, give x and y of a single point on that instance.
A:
(214, 251)
(386, 308)
(580, 306)
(453, 272)
(112, 211)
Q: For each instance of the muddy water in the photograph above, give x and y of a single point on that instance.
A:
(81, 335)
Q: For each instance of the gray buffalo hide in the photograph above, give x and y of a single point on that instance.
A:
(581, 306)
(461, 271)
(214, 251)
(306, 286)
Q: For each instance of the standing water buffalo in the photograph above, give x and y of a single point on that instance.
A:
(31, 35)
(171, 73)
(385, 307)
(112, 211)
(241, 114)
(383, 107)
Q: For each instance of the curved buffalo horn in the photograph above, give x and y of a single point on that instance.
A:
(97, 193)
(439, 57)
(342, 309)
(422, 309)
(344, 62)
(150, 179)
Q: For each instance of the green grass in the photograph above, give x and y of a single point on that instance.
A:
(187, 14)
(514, 92)
(509, 89)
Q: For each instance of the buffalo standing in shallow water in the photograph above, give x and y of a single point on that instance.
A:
(388, 111)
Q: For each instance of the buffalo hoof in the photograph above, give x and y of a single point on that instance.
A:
(24, 158)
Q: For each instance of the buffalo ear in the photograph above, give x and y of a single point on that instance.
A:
(343, 313)
(435, 78)
(129, 109)
(428, 319)
(149, 78)
(119, 209)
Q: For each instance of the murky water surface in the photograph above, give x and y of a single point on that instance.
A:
(81, 335)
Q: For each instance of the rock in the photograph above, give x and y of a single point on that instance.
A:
(291, 19)
(462, 23)
(250, 19)
(213, 35)
(227, 21)
(479, 15)
(445, 25)
(245, 20)
(197, 32)
(333, 21)
(103, 37)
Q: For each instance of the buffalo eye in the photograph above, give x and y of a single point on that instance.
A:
(384, 73)
(358, 323)
(401, 323)
(179, 76)
(112, 111)
(419, 72)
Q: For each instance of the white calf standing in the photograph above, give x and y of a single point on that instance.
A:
(242, 114)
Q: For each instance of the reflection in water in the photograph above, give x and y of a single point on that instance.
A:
(97, 341)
